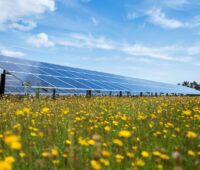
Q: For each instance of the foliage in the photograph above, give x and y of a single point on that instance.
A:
(193, 84)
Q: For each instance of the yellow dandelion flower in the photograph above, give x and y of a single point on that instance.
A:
(91, 142)
(129, 155)
(45, 110)
(68, 142)
(186, 113)
(164, 157)
(191, 134)
(139, 162)
(145, 154)
(119, 158)
(33, 134)
(124, 133)
(22, 154)
(45, 154)
(105, 162)
(105, 153)
(115, 123)
(54, 152)
(95, 165)
(10, 159)
(191, 153)
(16, 145)
(5, 165)
(107, 128)
(55, 162)
(156, 153)
(118, 142)
(19, 112)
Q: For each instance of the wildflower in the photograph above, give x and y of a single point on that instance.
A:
(91, 142)
(107, 128)
(105, 162)
(45, 110)
(13, 142)
(134, 148)
(95, 165)
(45, 154)
(10, 159)
(191, 134)
(54, 152)
(64, 155)
(115, 123)
(26, 110)
(145, 154)
(55, 162)
(16, 145)
(186, 113)
(159, 166)
(191, 153)
(68, 142)
(33, 134)
(129, 155)
(118, 142)
(124, 133)
(22, 154)
(105, 153)
(19, 112)
(5, 165)
(164, 157)
(119, 158)
(82, 142)
(156, 153)
(139, 162)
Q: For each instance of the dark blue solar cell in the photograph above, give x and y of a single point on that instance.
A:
(75, 83)
(32, 80)
(67, 74)
(92, 85)
(52, 72)
(10, 67)
(56, 82)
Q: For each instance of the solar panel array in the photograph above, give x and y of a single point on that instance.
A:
(25, 76)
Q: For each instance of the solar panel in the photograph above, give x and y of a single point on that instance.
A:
(25, 76)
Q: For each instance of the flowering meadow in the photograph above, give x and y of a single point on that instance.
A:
(81, 133)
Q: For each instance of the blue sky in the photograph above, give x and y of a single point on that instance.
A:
(151, 39)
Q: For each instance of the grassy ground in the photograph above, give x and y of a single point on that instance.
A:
(100, 133)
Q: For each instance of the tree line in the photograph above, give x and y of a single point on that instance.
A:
(194, 84)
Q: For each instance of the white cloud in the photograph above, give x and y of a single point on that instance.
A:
(170, 3)
(13, 11)
(11, 53)
(40, 40)
(132, 15)
(24, 25)
(87, 41)
(162, 53)
(194, 50)
(94, 21)
(158, 17)
(166, 53)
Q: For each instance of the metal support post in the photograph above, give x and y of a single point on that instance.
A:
(89, 93)
(3, 83)
(54, 94)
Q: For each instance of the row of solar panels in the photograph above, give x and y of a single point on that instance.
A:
(31, 74)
